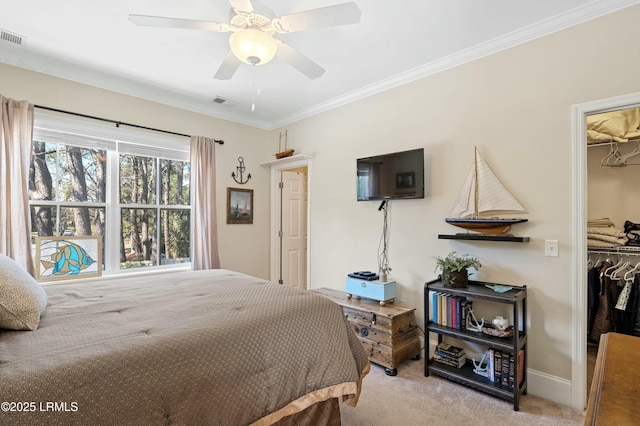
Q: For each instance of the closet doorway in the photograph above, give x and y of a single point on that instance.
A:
(613, 211)
(580, 373)
(289, 229)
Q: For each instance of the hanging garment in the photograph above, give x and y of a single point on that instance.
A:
(603, 321)
(635, 308)
(593, 290)
(623, 297)
(629, 307)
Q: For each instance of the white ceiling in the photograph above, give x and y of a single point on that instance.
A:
(395, 42)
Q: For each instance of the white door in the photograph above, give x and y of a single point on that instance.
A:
(293, 229)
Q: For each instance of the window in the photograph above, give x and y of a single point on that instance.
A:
(130, 187)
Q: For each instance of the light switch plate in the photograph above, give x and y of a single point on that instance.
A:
(551, 248)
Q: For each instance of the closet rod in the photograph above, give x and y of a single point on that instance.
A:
(119, 123)
(614, 253)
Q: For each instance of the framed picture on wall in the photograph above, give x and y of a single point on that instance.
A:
(68, 257)
(239, 205)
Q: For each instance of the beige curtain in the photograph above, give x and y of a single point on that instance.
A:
(203, 204)
(15, 148)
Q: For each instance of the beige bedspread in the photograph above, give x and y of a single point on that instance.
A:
(190, 348)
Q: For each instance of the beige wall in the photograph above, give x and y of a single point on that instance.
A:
(243, 248)
(515, 106)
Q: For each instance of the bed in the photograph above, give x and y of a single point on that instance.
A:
(201, 347)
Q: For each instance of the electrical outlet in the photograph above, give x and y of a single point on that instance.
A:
(551, 248)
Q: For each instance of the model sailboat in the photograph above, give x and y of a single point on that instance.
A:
(481, 199)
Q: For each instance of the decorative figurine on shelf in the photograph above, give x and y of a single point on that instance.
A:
(287, 152)
(478, 368)
(500, 323)
(240, 169)
(472, 322)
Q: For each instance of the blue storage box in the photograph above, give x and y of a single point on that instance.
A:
(376, 290)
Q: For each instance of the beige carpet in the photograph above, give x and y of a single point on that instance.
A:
(412, 399)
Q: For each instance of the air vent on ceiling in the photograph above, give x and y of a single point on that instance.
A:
(219, 100)
(11, 37)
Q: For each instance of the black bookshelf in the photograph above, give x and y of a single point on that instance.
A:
(477, 291)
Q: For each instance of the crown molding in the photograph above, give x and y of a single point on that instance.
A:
(46, 64)
(585, 13)
(61, 68)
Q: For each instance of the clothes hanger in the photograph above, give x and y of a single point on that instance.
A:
(599, 262)
(614, 152)
(615, 275)
(628, 275)
(607, 272)
(622, 160)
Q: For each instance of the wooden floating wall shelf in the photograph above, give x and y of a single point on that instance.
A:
(484, 237)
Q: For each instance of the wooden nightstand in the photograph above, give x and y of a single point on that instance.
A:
(389, 334)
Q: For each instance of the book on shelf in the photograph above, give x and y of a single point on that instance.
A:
(448, 310)
(450, 361)
(448, 349)
(433, 299)
(445, 310)
(497, 360)
(452, 305)
(520, 369)
(465, 306)
(503, 371)
(490, 364)
(445, 355)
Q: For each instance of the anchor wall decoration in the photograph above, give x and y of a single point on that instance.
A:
(240, 169)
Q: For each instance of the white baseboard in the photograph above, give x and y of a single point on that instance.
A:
(549, 387)
(542, 385)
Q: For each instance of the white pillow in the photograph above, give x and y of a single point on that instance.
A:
(22, 299)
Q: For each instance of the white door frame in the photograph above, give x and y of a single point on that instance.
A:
(579, 114)
(276, 167)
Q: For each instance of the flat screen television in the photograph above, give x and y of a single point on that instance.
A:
(398, 175)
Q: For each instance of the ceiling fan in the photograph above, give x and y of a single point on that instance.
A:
(253, 26)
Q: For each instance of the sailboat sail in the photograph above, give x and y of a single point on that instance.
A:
(483, 194)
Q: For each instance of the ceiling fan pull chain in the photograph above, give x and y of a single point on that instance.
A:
(253, 91)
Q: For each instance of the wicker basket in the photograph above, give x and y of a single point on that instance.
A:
(455, 279)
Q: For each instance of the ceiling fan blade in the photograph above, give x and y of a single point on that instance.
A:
(330, 16)
(242, 5)
(191, 24)
(228, 67)
(297, 60)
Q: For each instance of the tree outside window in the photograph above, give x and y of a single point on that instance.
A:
(68, 191)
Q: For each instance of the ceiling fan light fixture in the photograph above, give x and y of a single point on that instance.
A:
(253, 47)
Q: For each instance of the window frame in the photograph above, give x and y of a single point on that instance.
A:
(117, 140)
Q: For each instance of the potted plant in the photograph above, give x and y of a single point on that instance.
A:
(455, 269)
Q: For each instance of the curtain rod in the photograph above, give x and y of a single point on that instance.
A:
(119, 123)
